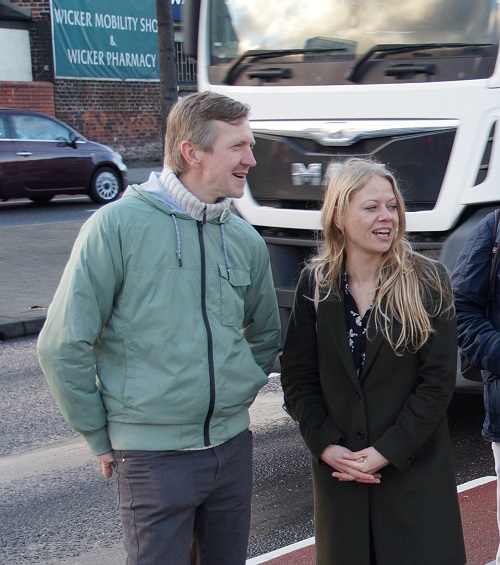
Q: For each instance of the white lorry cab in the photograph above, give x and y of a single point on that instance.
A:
(414, 84)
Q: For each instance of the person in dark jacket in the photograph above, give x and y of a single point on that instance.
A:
(479, 327)
(369, 376)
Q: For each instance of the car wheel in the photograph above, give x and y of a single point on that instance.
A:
(105, 186)
(41, 199)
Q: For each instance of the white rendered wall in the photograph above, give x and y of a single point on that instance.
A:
(15, 62)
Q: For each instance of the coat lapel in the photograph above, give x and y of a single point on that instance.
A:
(334, 332)
(373, 344)
(336, 336)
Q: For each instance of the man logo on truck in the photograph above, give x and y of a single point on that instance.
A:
(311, 174)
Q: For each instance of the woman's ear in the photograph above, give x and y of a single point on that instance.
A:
(335, 220)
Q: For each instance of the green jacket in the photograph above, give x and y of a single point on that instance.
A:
(162, 329)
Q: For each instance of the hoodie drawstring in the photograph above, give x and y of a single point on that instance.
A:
(178, 238)
(178, 249)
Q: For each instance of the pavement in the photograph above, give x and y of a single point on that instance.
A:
(32, 259)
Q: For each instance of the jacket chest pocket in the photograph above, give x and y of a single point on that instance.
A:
(233, 289)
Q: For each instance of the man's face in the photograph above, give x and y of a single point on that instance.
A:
(222, 173)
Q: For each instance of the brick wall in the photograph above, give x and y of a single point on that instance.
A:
(29, 95)
(123, 115)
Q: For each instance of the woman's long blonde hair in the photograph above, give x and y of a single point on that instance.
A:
(409, 287)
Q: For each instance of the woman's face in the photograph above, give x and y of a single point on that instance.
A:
(371, 221)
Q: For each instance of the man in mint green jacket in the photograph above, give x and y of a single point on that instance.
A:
(160, 335)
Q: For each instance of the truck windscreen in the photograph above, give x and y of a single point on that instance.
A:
(245, 33)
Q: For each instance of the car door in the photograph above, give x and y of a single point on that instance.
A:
(47, 154)
(9, 179)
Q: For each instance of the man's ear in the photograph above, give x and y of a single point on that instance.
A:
(190, 153)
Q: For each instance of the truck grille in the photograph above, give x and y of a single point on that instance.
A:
(418, 160)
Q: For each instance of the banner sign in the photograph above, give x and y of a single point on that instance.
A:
(104, 39)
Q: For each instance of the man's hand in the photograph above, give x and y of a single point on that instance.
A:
(348, 468)
(107, 460)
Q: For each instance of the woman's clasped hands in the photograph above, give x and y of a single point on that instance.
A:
(360, 466)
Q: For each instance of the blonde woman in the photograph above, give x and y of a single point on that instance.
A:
(369, 374)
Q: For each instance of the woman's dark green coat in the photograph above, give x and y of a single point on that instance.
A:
(398, 405)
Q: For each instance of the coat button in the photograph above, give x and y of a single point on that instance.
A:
(360, 435)
(358, 396)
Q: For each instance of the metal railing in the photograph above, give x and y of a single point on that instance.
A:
(186, 67)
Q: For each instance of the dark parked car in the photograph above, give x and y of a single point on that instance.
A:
(41, 156)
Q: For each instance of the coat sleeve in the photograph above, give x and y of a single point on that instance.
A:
(81, 306)
(478, 337)
(300, 378)
(426, 406)
(262, 328)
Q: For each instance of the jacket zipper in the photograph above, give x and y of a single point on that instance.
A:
(211, 368)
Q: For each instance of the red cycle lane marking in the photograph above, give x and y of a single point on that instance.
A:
(477, 501)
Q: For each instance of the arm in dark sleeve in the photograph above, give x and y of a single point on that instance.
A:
(478, 337)
(300, 377)
(426, 406)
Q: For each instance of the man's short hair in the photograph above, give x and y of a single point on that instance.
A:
(193, 118)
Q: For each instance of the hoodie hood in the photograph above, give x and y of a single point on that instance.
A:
(166, 188)
(154, 187)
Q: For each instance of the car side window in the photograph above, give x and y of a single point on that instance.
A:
(38, 128)
(3, 128)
